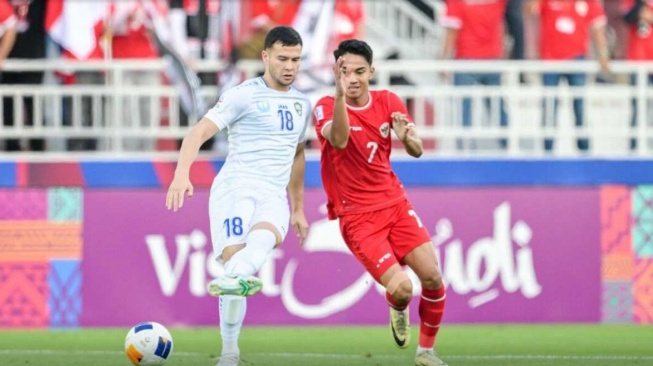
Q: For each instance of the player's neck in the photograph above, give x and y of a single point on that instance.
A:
(358, 101)
(273, 84)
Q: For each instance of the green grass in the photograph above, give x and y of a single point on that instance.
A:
(488, 345)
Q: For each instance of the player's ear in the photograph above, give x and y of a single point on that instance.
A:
(372, 71)
(265, 56)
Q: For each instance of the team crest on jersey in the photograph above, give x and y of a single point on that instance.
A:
(263, 106)
(385, 129)
(298, 108)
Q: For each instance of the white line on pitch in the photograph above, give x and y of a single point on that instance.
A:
(344, 356)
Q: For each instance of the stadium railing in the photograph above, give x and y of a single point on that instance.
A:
(435, 104)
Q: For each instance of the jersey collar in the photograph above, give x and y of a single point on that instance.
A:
(367, 105)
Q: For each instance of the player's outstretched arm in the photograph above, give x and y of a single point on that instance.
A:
(296, 192)
(190, 147)
(405, 131)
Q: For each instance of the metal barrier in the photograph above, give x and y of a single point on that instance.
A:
(146, 119)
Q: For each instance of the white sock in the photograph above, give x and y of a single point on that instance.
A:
(422, 349)
(245, 262)
(232, 314)
(250, 259)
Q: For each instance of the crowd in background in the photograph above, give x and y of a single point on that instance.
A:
(233, 30)
(146, 29)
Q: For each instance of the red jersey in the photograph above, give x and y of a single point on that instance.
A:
(275, 11)
(480, 27)
(359, 178)
(131, 21)
(8, 19)
(349, 18)
(565, 27)
(640, 36)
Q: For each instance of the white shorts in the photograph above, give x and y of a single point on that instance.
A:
(234, 212)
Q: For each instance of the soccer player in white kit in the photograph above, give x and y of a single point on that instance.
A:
(265, 119)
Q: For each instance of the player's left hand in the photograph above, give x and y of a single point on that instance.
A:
(402, 125)
(299, 222)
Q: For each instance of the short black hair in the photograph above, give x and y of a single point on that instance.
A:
(287, 36)
(355, 47)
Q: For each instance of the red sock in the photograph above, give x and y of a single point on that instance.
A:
(393, 303)
(431, 308)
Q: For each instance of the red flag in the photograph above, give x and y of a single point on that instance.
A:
(76, 26)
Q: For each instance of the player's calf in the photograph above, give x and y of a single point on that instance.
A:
(399, 292)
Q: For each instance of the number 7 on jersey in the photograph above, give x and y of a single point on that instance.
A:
(374, 146)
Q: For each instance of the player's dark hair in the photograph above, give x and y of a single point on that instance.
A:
(285, 35)
(355, 47)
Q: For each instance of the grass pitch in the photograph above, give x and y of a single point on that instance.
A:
(487, 345)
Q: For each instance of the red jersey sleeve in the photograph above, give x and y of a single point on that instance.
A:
(453, 16)
(395, 104)
(323, 115)
(596, 14)
(7, 17)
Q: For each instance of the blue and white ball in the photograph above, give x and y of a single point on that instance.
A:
(148, 344)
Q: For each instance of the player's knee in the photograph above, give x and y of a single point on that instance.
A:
(400, 287)
(269, 227)
(432, 281)
(404, 292)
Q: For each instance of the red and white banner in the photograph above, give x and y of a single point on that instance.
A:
(75, 25)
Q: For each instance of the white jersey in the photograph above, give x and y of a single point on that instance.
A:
(264, 128)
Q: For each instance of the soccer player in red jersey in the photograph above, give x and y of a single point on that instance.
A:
(377, 221)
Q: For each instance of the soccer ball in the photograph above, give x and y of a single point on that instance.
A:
(148, 344)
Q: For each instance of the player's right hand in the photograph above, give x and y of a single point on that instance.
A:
(179, 188)
(339, 73)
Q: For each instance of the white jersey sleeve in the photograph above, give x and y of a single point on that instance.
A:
(230, 107)
(307, 121)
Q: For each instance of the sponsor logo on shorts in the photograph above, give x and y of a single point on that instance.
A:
(385, 257)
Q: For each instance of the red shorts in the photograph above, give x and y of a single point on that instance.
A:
(382, 238)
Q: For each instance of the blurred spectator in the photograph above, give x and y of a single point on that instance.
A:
(349, 21)
(194, 36)
(323, 25)
(131, 22)
(8, 22)
(29, 44)
(515, 27)
(474, 31)
(263, 16)
(88, 22)
(638, 15)
(564, 35)
(179, 29)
